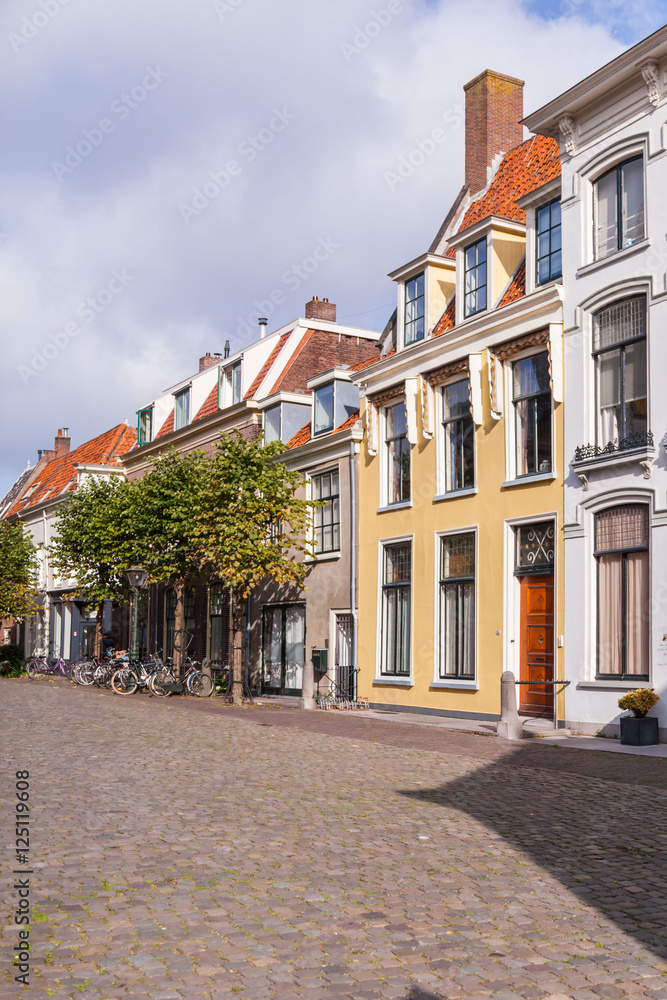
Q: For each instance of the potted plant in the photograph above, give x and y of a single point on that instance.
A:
(638, 729)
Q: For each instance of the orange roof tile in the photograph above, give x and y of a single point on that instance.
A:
(167, 426)
(366, 362)
(350, 422)
(517, 286)
(522, 170)
(59, 475)
(301, 437)
(266, 367)
(447, 320)
(209, 406)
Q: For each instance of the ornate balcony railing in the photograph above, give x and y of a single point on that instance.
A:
(639, 439)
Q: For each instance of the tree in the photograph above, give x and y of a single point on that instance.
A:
(94, 543)
(18, 568)
(250, 525)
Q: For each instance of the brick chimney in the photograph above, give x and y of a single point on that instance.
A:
(316, 309)
(62, 443)
(494, 109)
(207, 361)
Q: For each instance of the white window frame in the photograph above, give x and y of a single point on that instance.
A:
(401, 680)
(461, 684)
(331, 429)
(185, 392)
(385, 503)
(310, 495)
(511, 477)
(400, 313)
(442, 493)
(227, 379)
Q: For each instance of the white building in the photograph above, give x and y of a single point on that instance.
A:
(613, 133)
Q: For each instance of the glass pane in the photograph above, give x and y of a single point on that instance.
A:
(607, 214)
(633, 202)
(619, 322)
(324, 408)
(458, 556)
(481, 251)
(544, 218)
(556, 264)
(543, 430)
(272, 424)
(334, 484)
(525, 437)
(481, 292)
(543, 269)
(448, 604)
(636, 412)
(397, 421)
(317, 491)
(638, 613)
(621, 528)
(531, 375)
(470, 259)
(397, 563)
(456, 399)
(555, 212)
(535, 545)
(609, 394)
(543, 244)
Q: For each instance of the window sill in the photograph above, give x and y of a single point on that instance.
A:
(454, 685)
(393, 682)
(395, 506)
(609, 685)
(322, 557)
(618, 255)
(539, 477)
(455, 494)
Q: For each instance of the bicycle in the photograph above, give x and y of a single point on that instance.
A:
(38, 666)
(127, 679)
(163, 682)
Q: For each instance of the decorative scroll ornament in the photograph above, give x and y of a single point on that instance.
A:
(567, 130)
(535, 547)
(512, 347)
(428, 407)
(411, 391)
(495, 370)
(475, 388)
(652, 80)
(371, 427)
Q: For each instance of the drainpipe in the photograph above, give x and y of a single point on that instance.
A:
(353, 564)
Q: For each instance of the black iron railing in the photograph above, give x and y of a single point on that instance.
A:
(639, 439)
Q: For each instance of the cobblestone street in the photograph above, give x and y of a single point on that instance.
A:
(184, 849)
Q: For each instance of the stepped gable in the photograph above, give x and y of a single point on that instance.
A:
(60, 476)
(320, 350)
(517, 286)
(266, 367)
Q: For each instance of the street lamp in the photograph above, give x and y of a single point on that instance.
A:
(136, 577)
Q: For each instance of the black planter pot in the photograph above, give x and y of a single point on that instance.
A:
(639, 732)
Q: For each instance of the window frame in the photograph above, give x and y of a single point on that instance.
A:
(270, 409)
(617, 168)
(457, 679)
(467, 312)
(443, 449)
(329, 428)
(516, 437)
(182, 394)
(388, 460)
(142, 439)
(598, 555)
(383, 675)
(598, 352)
(408, 341)
(334, 525)
(552, 276)
(233, 383)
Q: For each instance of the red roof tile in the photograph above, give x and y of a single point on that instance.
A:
(167, 427)
(266, 367)
(350, 422)
(371, 360)
(447, 320)
(59, 475)
(304, 435)
(209, 406)
(522, 170)
(517, 286)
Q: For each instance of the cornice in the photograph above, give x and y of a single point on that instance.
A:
(491, 222)
(419, 263)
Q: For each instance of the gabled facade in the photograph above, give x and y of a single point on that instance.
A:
(263, 388)
(611, 130)
(461, 480)
(63, 626)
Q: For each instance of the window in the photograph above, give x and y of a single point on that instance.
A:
(619, 347)
(532, 407)
(457, 606)
(396, 609)
(414, 309)
(218, 610)
(233, 385)
(621, 551)
(549, 264)
(272, 424)
(619, 207)
(458, 437)
(145, 426)
(535, 545)
(323, 418)
(475, 278)
(182, 409)
(398, 454)
(327, 518)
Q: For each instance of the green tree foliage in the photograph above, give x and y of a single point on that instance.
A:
(18, 567)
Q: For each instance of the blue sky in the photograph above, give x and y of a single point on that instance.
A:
(168, 167)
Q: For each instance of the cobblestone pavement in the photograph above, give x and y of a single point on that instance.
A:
(181, 849)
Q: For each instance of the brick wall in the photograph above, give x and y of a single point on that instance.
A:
(494, 109)
(322, 351)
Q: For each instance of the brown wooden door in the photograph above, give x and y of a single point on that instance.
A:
(537, 645)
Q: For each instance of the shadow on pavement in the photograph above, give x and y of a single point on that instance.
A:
(604, 841)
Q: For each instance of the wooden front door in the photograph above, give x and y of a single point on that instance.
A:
(537, 645)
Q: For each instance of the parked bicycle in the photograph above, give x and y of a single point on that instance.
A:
(194, 681)
(38, 666)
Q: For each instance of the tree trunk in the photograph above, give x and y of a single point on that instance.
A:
(99, 632)
(238, 601)
(179, 623)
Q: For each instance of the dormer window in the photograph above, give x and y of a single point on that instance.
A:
(272, 424)
(549, 257)
(323, 418)
(145, 426)
(475, 278)
(414, 309)
(619, 207)
(232, 385)
(181, 409)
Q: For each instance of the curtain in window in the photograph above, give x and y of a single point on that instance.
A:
(468, 630)
(295, 650)
(621, 528)
(609, 375)
(633, 202)
(607, 214)
(635, 388)
(610, 614)
(637, 613)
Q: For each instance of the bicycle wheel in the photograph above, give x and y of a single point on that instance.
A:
(157, 681)
(200, 685)
(85, 675)
(123, 681)
(35, 667)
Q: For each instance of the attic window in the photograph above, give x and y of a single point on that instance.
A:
(414, 309)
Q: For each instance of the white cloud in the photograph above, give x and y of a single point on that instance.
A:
(322, 176)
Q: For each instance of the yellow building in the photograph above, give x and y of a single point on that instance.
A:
(461, 473)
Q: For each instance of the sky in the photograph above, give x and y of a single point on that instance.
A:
(169, 168)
